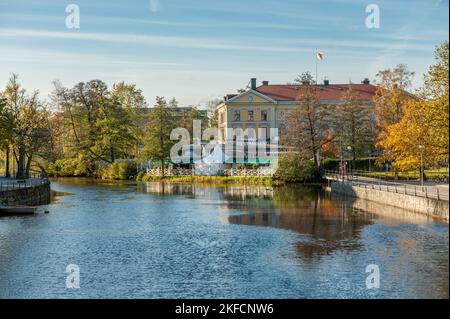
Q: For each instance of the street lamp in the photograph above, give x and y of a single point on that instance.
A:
(349, 149)
(370, 157)
(421, 148)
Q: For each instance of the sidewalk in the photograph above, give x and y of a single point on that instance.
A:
(430, 189)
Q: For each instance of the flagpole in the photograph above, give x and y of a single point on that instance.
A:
(317, 50)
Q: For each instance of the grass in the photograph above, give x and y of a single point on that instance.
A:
(248, 180)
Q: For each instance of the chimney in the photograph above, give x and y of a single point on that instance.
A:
(326, 82)
(253, 83)
(265, 82)
(366, 81)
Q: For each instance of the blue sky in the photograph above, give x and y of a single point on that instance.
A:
(196, 50)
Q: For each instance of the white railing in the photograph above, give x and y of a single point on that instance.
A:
(259, 172)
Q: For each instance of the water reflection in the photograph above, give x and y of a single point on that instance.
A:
(201, 241)
(328, 223)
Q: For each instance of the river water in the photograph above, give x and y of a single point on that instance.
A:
(157, 240)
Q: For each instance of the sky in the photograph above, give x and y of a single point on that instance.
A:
(198, 50)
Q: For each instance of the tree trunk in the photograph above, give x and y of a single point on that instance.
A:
(21, 164)
(162, 167)
(7, 172)
(111, 151)
(28, 167)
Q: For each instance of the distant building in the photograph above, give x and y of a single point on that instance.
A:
(268, 105)
(180, 112)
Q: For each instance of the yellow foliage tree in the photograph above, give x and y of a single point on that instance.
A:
(424, 122)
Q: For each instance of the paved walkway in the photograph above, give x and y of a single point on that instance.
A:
(434, 190)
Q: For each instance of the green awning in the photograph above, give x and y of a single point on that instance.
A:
(251, 161)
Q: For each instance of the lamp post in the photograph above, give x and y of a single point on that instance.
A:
(349, 149)
(370, 157)
(421, 148)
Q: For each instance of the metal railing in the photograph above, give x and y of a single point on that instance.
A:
(433, 192)
(7, 185)
(431, 175)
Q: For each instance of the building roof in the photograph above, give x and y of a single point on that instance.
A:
(331, 92)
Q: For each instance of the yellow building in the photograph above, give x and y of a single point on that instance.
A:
(267, 106)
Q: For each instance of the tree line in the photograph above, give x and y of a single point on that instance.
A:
(397, 122)
(81, 130)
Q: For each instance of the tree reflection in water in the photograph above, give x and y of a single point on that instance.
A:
(329, 224)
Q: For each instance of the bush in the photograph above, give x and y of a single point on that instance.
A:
(295, 168)
(119, 171)
(140, 176)
(69, 167)
(358, 164)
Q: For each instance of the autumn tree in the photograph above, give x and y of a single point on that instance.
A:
(391, 95)
(306, 124)
(424, 122)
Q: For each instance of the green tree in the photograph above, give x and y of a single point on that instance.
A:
(30, 129)
(6, 133)
(213, 115)
(305, 79)
(353, 123)
(98, 125)
(157, 143)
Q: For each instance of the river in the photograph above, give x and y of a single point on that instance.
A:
(158, 240)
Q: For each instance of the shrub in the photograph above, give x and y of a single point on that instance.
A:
(119, 171)
(140, 176)
(358, 164)
(78, 166)
(295, 168)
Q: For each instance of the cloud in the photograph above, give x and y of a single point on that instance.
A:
(154, 5)
(276, 45)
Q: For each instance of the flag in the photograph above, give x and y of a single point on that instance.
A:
(320, 55)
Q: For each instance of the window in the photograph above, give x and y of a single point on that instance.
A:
(237, 116)
(281, 115)
(250, 116)
(263, 115)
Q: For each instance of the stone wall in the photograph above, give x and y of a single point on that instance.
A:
(428, 206)
(29, 196)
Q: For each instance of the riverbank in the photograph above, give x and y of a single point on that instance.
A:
(432, 207)
(31, 193)
(248, 180)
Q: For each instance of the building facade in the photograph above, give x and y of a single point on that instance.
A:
(267, 106)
